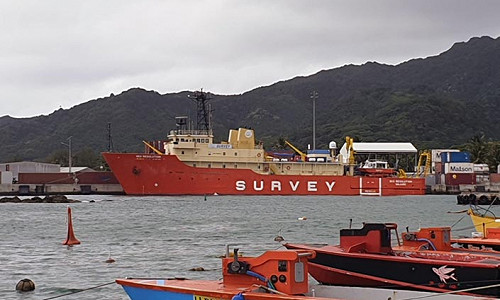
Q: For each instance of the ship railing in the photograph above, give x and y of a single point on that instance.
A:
(190, 132)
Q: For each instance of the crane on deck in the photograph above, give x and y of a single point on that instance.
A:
(303, 156)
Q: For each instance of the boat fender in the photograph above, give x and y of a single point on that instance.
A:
(472, 198)
(483, 200)
(238, 296)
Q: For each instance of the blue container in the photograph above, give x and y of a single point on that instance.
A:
(455, 157)
(459, 157)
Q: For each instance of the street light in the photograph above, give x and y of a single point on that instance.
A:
(69, 152)
(314, 96)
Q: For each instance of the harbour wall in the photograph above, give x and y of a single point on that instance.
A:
(66, 189)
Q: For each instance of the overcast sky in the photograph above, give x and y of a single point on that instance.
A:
(57, 54)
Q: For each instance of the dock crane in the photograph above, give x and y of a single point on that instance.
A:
(303, 156)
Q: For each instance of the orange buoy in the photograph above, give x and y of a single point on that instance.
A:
(70, 239)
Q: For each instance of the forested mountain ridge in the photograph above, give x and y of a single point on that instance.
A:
(436, 102)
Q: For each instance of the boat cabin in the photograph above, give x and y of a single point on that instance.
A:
(287, 270)
(376, 168)
(372, 238)
(430, 238)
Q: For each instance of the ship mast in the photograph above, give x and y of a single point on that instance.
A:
(203, 111)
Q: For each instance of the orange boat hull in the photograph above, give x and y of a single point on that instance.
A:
(151, 174)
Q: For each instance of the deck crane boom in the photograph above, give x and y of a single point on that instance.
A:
(302, 154)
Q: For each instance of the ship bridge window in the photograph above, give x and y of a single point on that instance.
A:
(182, 140)
(235, 153)
(236, 166)
(206, 140)
(194, 165)
(223, 153)
(224, 166)
(182, 152)
(197, 140)
(209, 165)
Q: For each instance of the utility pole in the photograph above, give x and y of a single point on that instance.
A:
(69, 152)
(314, 96)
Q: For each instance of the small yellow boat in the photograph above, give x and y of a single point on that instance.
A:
(482, 221)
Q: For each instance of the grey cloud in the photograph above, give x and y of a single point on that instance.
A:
(64, 53)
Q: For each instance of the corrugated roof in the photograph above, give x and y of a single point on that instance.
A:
(76, 169)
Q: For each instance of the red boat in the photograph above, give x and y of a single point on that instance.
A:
(191, 163)
(490, 242)
(275, 275)
(365, 257)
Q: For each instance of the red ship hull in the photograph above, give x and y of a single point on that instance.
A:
(150, 174)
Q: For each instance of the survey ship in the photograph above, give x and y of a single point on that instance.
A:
(189, 162)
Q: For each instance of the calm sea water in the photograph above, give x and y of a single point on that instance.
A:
(167, 236)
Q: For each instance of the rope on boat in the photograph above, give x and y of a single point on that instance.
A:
(79, 291)
(458, 291)
(458, 221)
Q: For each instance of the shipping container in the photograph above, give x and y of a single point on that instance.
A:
(455, 179)
(430, 180)
(455, 157)
(438, 168)
(436, 153)
(494, 178)
(460, 157)
(481, 168)
(481, 178)
(459, 168)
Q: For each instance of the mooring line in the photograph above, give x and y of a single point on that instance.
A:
(458, 291)
(87, 289)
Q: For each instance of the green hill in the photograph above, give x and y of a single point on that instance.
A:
(435, 102)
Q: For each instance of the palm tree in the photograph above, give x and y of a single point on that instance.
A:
(478, 148)
(493, 157)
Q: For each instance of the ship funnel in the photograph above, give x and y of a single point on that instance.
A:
(70, 239)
